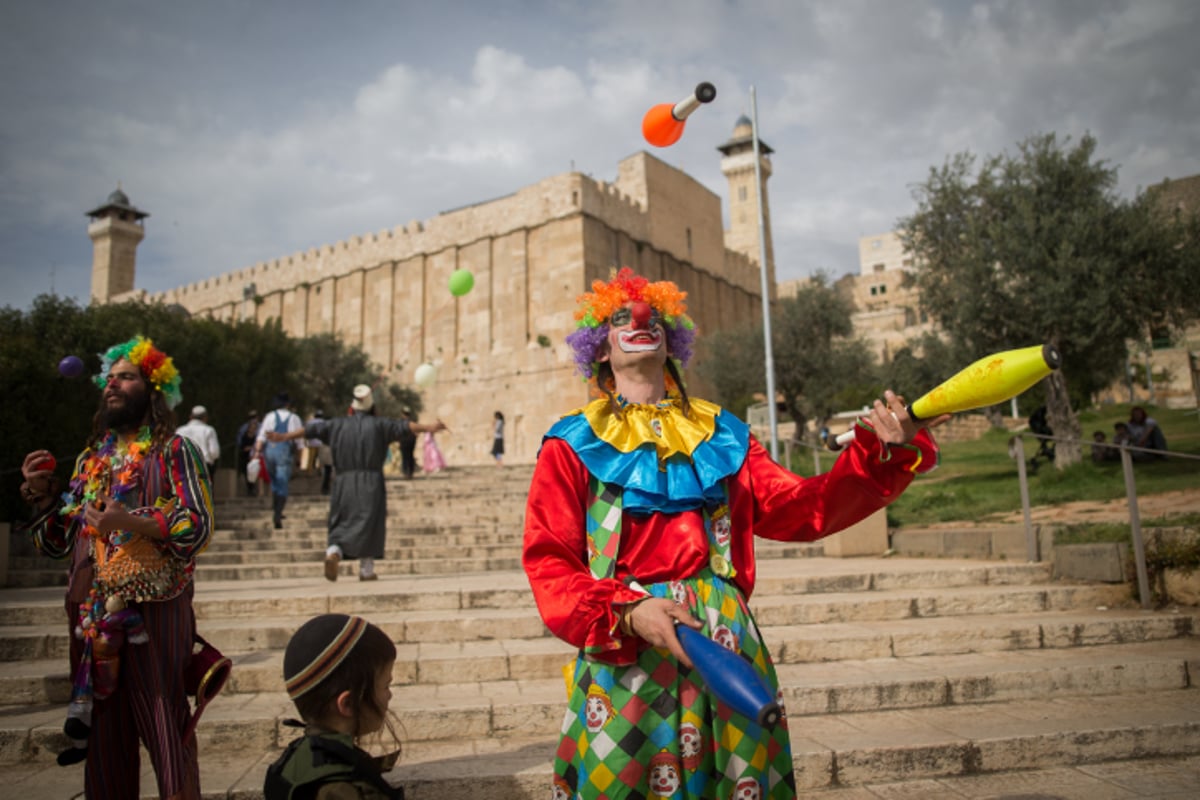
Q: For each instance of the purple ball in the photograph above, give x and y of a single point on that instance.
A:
(71, 367)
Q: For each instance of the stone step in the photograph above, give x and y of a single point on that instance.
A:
(315, 552)
(268, 539)
(349, 569)
(815, 687)
(434, 650)
(461, 750)
(788, 591)
(250, 624)
(843, 752)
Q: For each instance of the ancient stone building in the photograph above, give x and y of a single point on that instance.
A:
(501, 346)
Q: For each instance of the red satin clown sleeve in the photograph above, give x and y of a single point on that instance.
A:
(865, 478)
(576, 607)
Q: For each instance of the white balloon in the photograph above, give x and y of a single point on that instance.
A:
(425, 375)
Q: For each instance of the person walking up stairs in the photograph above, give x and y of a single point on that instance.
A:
(280, 454)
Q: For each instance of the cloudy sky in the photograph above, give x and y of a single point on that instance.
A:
(253, 130)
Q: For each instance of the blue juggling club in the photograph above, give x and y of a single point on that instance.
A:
(730, 678)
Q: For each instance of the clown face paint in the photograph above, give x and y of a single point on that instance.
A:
(635, 332)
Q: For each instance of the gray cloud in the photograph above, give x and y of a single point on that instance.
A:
(251, 131)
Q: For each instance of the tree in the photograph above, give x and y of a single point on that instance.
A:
(817, 363)
(1038, 248)
(920, 365)
(228, 367)
(733, 364)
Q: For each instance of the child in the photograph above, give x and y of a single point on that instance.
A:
(337, 670)
(432, 460)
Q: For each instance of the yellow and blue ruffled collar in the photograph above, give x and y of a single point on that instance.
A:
(663, 459)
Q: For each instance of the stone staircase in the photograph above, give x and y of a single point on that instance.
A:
(897, 672)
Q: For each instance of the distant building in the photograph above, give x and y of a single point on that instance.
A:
(532, 253)
(888, 315)
(116, 229)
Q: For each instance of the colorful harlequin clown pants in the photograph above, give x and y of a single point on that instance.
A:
(651, 730)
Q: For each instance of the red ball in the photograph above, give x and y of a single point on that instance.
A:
(47, 463)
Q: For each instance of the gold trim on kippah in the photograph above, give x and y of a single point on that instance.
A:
(328, 659)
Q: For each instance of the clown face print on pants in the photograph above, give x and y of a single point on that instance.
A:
(561, 790)
(665, 779)
(690, 745)
(720, 526)
(598, 709)
(678, 592)
(747, 789)
(724, 637)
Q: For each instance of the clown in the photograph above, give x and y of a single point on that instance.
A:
(136, 513)
(642, 515)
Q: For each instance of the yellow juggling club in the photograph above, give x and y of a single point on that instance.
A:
(990, 380)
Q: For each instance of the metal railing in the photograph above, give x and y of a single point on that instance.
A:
(1017, 448)
(1017, 451)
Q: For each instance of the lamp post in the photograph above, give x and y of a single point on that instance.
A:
(766, 294)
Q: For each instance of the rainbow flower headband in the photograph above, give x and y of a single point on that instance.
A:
(156, 366)
(596, 306)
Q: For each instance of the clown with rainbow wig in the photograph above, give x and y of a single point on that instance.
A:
(130, 523)
(641, 516)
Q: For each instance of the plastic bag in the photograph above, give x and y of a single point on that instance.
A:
(254, 469)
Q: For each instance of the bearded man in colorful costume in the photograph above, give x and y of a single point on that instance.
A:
(641, 516)
(137, 512)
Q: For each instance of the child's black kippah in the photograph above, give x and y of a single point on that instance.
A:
(317, 648)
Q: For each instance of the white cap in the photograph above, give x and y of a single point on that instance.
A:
(363, 401)
(199, 411)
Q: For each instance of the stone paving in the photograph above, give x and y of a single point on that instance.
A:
(902, 677)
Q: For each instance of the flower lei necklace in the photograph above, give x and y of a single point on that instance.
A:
(115, 469)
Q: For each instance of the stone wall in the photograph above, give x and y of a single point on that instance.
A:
(501, 346)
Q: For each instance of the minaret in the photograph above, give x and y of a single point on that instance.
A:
(738, 165)
(116, 229)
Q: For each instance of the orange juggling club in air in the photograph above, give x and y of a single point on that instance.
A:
(663, 124)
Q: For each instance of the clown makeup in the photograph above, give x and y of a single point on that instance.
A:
(623, 316)
(636, 328)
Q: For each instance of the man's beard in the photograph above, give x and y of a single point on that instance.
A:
(128, 415)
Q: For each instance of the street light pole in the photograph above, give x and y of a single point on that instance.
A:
(766, 294)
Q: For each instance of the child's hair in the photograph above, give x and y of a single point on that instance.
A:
(335, 653)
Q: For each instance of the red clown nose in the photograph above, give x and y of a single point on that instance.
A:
(641, 315)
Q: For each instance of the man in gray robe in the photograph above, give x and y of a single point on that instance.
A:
(358, 503)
